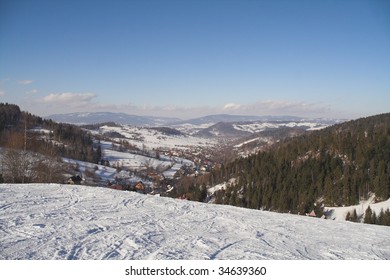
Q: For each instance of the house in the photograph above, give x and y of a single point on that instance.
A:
(75, 180)
(139, 187)
(312, 214)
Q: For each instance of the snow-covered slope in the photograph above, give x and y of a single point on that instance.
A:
(80, 222)
(154, 139)
(340, 213)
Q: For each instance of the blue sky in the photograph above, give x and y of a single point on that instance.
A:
(192, 58)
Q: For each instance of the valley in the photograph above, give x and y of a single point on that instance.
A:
(161, 156)
(252, 162)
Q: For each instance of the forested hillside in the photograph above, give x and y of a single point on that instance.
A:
(336, 166)
(27, 137)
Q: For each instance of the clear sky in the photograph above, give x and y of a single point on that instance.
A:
(183, 58)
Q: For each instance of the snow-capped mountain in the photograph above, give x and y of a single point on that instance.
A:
(243, 129)
(191, 125)
(235, 118)
(51, 221)
(82, 118)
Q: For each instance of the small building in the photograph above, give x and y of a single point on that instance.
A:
(139, 187)
(75, 180)
(312, 214)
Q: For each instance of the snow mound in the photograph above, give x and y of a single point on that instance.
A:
(54, 221)
(340, 213)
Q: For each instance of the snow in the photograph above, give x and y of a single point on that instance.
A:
(263, 139)
(247, 142)
(132, 161)
(191, 129)
(172, 172)
(340, 213)
(139, 137)
(41, 130)
(261, 126)
(223, 186)
(51, 221)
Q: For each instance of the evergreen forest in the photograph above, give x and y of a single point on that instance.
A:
(21, 134)
(337, 166)
(65, 140)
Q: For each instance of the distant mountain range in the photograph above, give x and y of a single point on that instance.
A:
(119, 118)
(122, 118)
(225, 118)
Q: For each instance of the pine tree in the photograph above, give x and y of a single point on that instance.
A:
(368, 216)
(98, 153)
(354, 217)
(381, 218)
(374, 218)
(386, 219)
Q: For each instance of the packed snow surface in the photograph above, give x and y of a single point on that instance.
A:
(340, 213)
(78, 222)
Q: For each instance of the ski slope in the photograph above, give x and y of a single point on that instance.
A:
(54, 221)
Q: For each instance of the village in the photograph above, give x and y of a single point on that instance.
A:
(128, 164)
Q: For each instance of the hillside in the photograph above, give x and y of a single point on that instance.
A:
(50, 221)
(35, 150)
(122, 118)
(212, 126)
(293, 166)
(33, 145)
(23, 131)
(337, 166)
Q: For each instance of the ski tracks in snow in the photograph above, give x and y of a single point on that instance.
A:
(78, 222)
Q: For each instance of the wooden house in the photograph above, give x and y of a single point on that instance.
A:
(140, 187)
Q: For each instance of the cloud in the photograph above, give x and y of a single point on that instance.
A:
(68, 98)
(2, 93)
(25, 82)
(277, 107)
(231, 106)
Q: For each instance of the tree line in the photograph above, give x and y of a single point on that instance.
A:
(370, 217)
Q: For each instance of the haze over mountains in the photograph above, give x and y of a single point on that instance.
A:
(102, 117)
(211, 126)
(122, 118)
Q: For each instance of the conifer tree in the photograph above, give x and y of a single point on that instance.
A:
(354, 217)
(374, 218)
(386, 219)
(381, 218)
(368, 216)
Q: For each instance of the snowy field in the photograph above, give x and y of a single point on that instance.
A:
(153, 139)
(262, 126)
(53, 221)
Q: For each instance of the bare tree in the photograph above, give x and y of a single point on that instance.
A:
(16, 166)
(19, 166)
